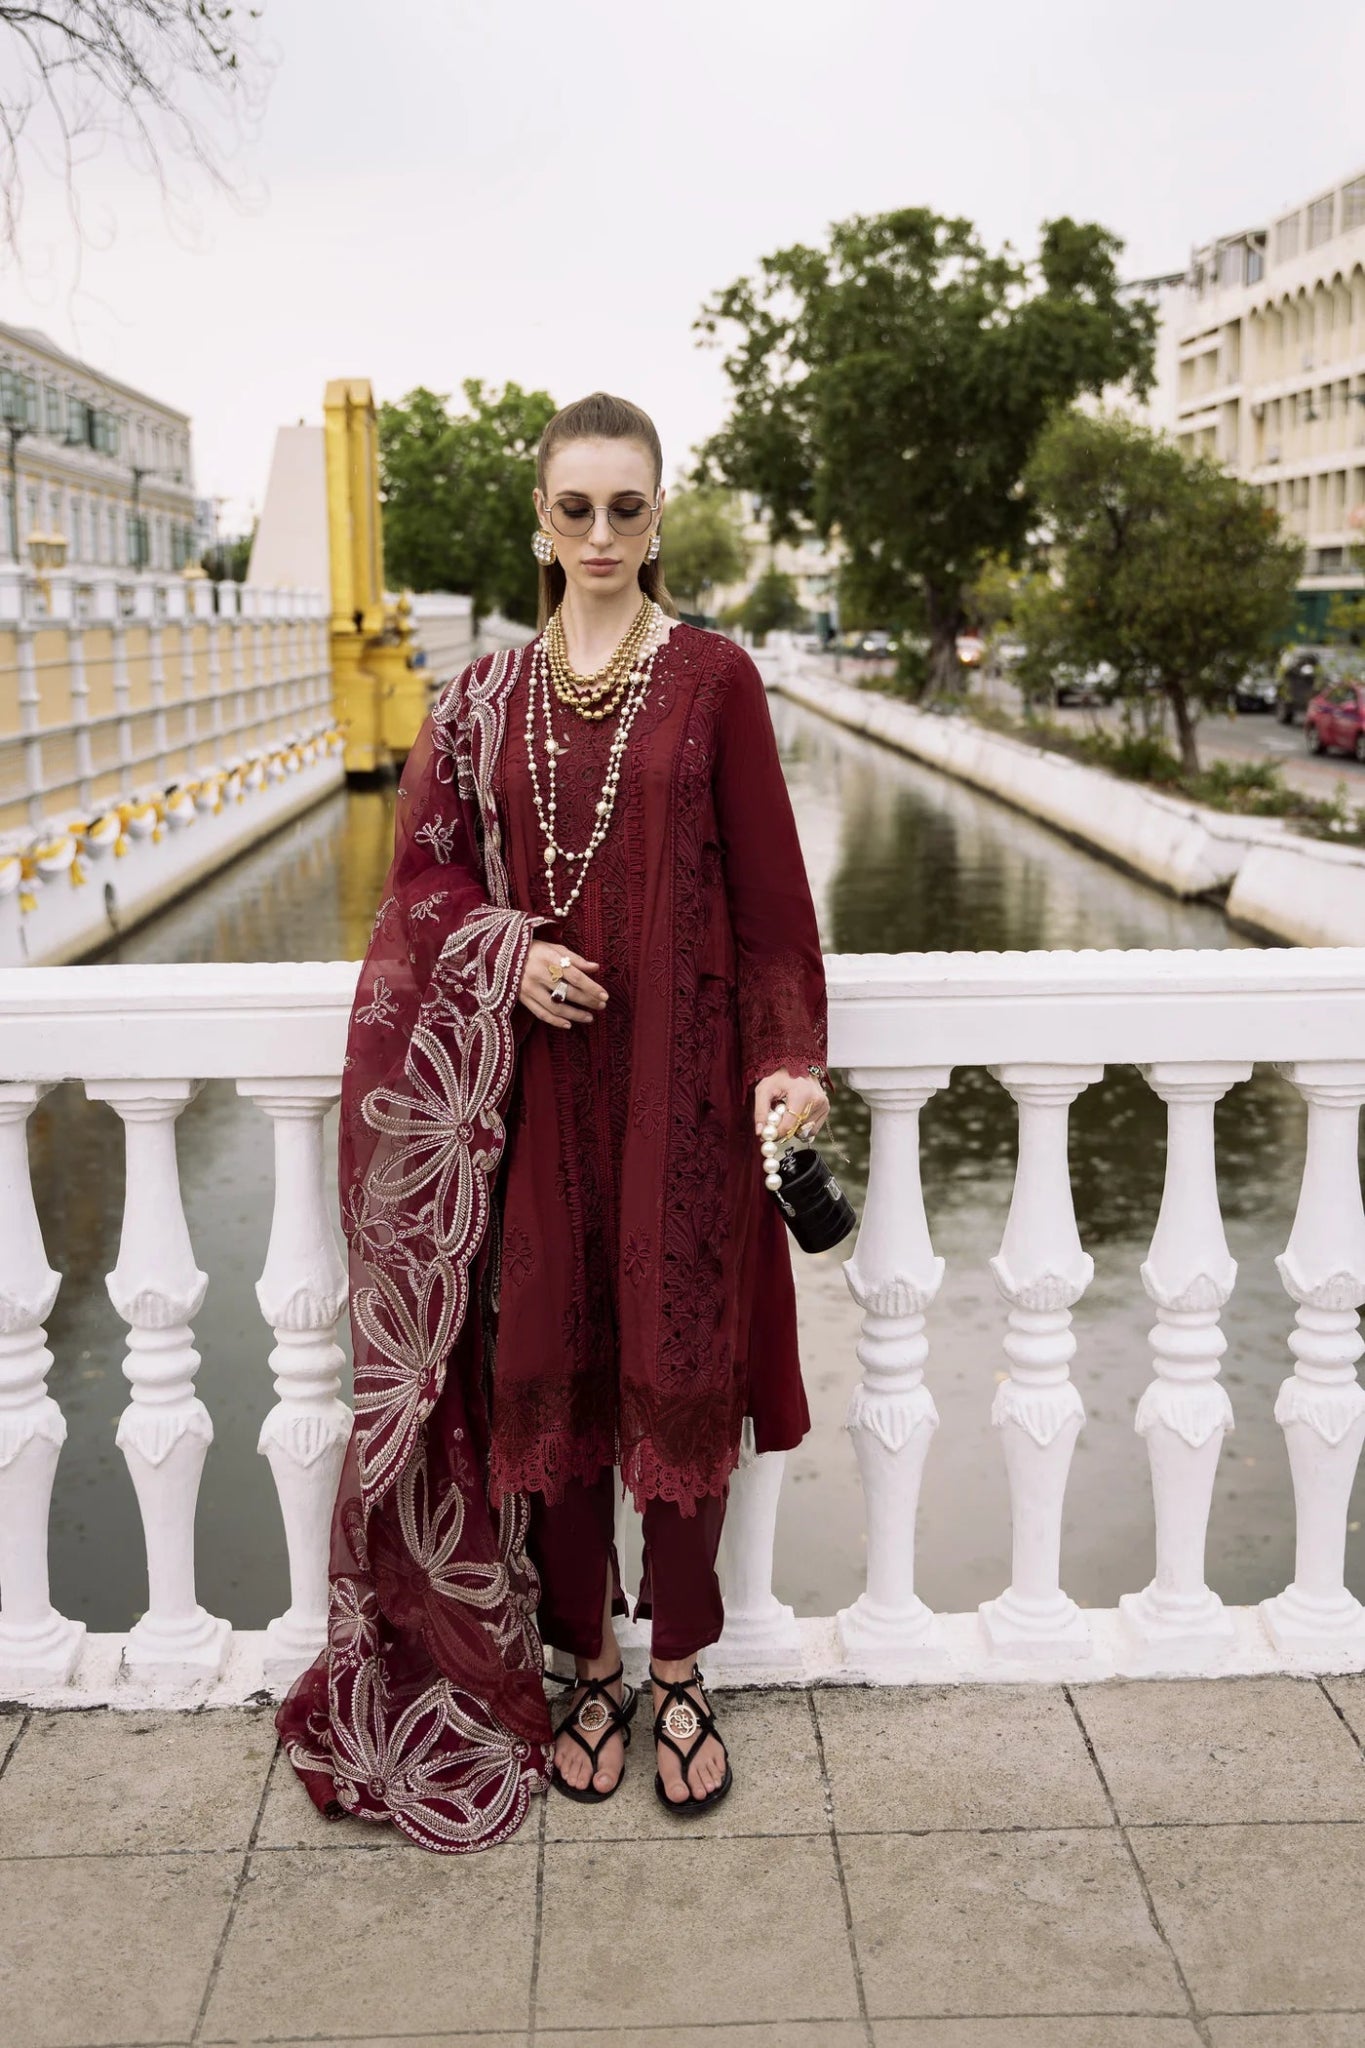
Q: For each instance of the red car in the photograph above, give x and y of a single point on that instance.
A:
(1335, 720)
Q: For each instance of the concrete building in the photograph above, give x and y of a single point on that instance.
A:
(1270, 373)
(812, 563)
(101, 464)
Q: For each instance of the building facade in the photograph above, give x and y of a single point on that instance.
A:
(82, 456)
(812, 564)
(1270, 374)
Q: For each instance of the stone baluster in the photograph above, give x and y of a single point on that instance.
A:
(761, 1632)
(1041, 1271)
(1184, 1411)
(190, 713)
(302, 1291)
(156, 672)
(165, 1431)
(893, 1275)
(38, 1646)
(1321, 1406)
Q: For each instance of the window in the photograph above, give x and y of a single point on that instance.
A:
(1320, 218)
(53, 410)
(1353, 204)
(77, 420)
(1286, 238)
(1255, 265)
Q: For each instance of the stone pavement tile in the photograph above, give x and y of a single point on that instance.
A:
(328, 1942)
(91, 1783)
(691, 1933)
(777, 2034)
(1106, 2031)
(1289, 2030)
(1046, 1921)
(109, 1948)
(956, 1756)
(778, 1788)
(289, 1820)
(1348, 1690)
(1262, 1918)
(1239, 1749)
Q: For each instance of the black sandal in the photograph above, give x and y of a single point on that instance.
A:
(607, 1717)
(680, 1715)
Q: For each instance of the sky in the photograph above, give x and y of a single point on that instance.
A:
(433, 190)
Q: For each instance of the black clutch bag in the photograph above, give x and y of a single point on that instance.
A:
(817, 1210)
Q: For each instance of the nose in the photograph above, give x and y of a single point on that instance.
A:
(602, 533)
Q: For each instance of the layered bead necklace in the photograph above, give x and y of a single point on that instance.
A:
(622, 680)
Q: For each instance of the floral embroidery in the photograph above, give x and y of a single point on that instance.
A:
(428, 906)
(381, 1008)
(439, 836)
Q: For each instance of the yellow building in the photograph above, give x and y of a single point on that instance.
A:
(83, 456)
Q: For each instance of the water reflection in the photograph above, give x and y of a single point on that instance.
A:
(900, 860)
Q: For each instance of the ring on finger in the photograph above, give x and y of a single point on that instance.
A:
(560, 992)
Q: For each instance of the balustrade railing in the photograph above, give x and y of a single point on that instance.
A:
(1046, 1025)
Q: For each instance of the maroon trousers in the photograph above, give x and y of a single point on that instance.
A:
(572, 1545)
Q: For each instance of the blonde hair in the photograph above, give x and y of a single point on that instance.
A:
(599, 417)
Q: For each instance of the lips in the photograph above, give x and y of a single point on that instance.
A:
(601, 562)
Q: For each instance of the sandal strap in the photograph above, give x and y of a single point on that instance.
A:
(676, 1690)
(617, 1712)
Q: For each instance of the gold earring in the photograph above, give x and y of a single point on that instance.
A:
(542, 547)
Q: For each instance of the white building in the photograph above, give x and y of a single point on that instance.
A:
(813, 564)
(1270, 372)
(96, 461)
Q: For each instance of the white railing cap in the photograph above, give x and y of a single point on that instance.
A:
(288, 1019)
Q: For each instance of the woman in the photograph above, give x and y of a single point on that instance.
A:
(594, 969)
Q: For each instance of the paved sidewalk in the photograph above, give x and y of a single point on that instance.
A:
(1149, 1864)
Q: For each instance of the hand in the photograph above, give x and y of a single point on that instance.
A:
(587, 997)
(806, 1101)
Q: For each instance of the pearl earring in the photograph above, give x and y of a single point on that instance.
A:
(542, 547)
(652, 551)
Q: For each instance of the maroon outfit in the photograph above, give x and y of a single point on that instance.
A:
(647, 1295)
(634, 1172)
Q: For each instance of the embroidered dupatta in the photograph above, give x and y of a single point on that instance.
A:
(426, 1707)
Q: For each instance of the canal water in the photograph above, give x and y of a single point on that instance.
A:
(900, 859)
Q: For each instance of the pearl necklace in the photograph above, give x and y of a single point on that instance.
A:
(637, 689)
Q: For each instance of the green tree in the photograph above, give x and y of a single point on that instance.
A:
(1175, 573)
(893, 385)
(456, 494)
(702, 543)
(772, 606)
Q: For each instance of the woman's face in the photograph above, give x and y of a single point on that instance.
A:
(599, 473)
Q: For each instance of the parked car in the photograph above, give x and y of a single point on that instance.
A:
(1081, 685)
(1256, 691)
(876, 643)
(1303, 672)
(1334, 722)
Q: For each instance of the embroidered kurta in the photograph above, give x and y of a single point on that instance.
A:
(647, 1301)
(426, 1708)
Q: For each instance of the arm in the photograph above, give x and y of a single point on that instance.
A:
(782, 1001)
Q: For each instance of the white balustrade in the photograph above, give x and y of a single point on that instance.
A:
(1045, 1026)
(761, 1632)
(165, 1431)
(893, 1275)
(302, 1291)
(1321, 1407)
(38, 1646)
(1041, 1271)
(1185, 1411)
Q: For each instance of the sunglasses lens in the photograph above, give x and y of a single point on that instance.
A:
(570, 515)
(631, 515)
